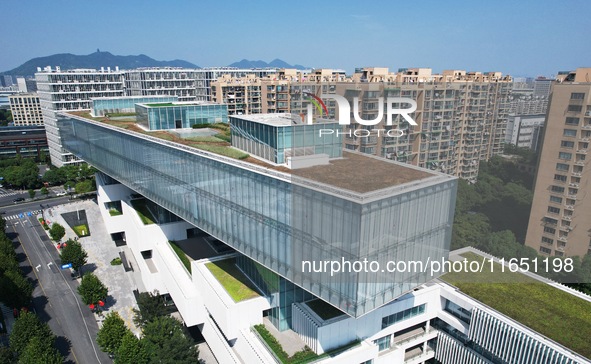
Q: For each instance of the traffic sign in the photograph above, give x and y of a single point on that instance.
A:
(67, 266)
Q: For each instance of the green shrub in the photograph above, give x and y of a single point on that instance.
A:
(116, 261)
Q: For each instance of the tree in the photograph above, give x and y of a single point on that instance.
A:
(92, 290)
(32, 193)
(26, 327)
(111, 333)
(44, 191)
(15, 289)
(57, 232)
(151, 306)
(131, 351)
(38, 351)
(166, 342)
(6, 355)
(74, 253)
(85, 186)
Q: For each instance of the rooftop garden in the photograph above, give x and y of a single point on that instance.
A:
(220, 144)
(301, 357)
(181, 254)
(238, 286)
(323, 309)
(552, 312)
(141, 207)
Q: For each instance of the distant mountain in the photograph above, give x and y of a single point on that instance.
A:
(276, 63)
(94, 60)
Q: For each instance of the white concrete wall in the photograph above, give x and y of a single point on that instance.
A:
(230, 316)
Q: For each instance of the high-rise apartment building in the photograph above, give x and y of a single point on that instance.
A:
(462, 115)
(560, 219)
(525, 131)
(26, 109)
(72, 90)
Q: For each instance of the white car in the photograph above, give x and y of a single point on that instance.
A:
(60, 194)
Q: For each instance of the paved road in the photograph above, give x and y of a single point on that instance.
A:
(55, 297)
(13, 209)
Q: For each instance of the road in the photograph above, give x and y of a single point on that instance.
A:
(55, 298)
(13, 209)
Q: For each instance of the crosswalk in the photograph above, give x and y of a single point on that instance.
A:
(23, 215)
(6, 194)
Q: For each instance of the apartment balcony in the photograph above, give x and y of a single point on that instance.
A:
(576, 174)
(567, 217)
(582, 151)
(417, 355)
(570, 207)
(563, 239)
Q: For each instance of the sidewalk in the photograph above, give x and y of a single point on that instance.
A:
(101, 250)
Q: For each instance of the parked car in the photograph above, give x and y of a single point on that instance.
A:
(19, 199)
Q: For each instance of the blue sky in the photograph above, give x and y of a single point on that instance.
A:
(521, 38)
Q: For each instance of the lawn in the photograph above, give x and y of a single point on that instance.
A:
(181, 254)
(232, 279)
(303, 356)
(552, 312)
(115, 212)
(143, 212)
(323, 309)
(81, 230)
(221, 150)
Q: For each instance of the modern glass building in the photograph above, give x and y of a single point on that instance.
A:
(173, 115)
(358, 207)
(275, 137)
(124, 104)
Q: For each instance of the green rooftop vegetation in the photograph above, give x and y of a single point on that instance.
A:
(552, 312)
(218, 144)
(323, 309)
(238, 286)
(301, 357)
(181, 254)
(141, 207)
(81, 230)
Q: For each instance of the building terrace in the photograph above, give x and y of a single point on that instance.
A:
(530, 300)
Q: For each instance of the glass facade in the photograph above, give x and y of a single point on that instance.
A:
(281, 292)
(276, 142)
(177, 116)
(402, 315)
(111, 105)
(279, 222)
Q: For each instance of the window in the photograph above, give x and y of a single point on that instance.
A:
(569, 133)
(402, 315)
(549, 230)
(558, 254)
(562, 167)
(553, 210)
(567, 144)
(577, 96)
(572, 121)
(547, 240)
(556, 199)
(383, 343)
(557, 189)
(575, 108)
(559, 177)
(545, 250)
(549, 220)
(565, 156)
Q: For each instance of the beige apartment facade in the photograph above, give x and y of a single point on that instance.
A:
(26, 109)
(560, 219)
(461, 116)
